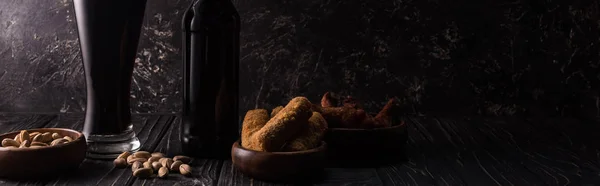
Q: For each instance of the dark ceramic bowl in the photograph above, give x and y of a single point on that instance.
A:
(45, 162)
(366, 147)
(279, 166)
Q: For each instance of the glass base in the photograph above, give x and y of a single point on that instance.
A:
(110, 146)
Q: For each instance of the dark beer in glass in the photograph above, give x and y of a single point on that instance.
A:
(109, 31)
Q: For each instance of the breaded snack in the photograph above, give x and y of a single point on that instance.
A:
(384, 117)
(283, 126)
(276, 110)
(253, 121)
(328, 100)
(349, 101)
(316, 108)
(311, 136)
(343, 117)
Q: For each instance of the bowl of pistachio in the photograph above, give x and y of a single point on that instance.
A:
(42, 153)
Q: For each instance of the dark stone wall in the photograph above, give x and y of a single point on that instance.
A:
(524, 57)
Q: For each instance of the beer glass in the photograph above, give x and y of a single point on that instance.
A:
(109, 32)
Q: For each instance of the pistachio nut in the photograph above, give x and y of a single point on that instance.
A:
(183, 159)
(124, 155)
(56, 136)
(120, 163)
(185, 170)
(58, 141)
(142, 154)
(7, 142)
(166, 162)
(175, 166)
(136, 165)
(163, 172)
(143, 173)
(158, 154)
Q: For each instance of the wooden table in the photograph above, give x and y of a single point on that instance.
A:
(440, 151)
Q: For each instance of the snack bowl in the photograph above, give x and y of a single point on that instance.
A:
(349, 147)
(43, 162)
(279, 166)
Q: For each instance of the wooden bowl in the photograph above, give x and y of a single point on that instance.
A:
(44, 162)
(279, 166)
(366, 147)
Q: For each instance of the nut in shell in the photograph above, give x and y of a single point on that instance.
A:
(17, 139)
(142, 154)
(166, 162)
(24, 136)
(120, 163)
(7, 142)
(68, 138)
(148, 165)
(183, 159)
(153, 159)
(134, 159)
(124, 155)
(47, 137)
(39, 138)
(56, 136)
(143, 173)
(25, 144)
(33, 134)
(158, 154)
(185, 170)
(136, 165)
(163, 172)
(156, 165)
(175, 166)
(58, 141)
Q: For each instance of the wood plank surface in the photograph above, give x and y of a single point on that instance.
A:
(102, 172)
(204, 171)
(424, 164)
(481, 153)
(543, 151)
(440, 151)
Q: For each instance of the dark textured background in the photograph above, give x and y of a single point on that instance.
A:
(471, 57)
